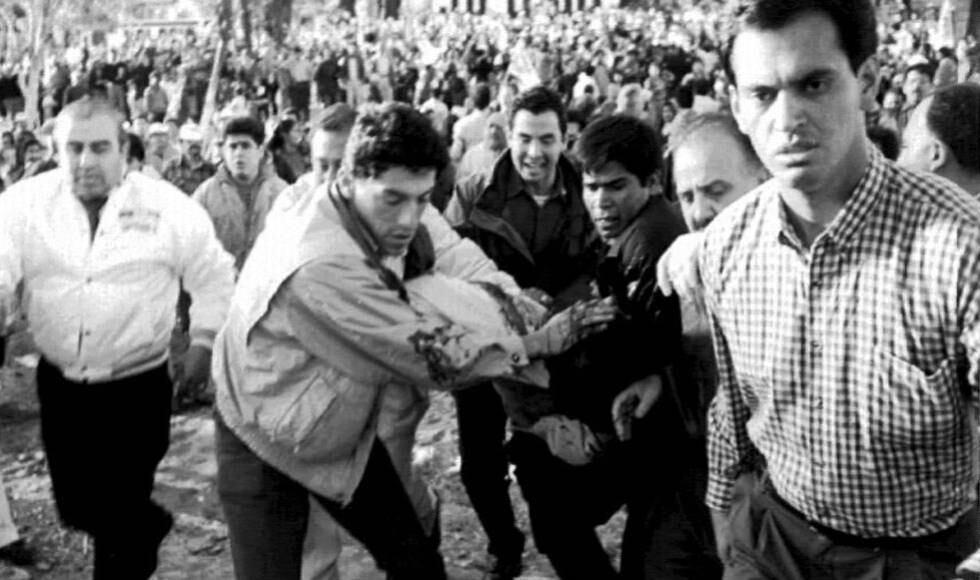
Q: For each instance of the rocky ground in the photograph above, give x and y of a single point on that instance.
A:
(197, 549)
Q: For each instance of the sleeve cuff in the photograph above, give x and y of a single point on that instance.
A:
(719, 496)
(203, 338)
(516, 353)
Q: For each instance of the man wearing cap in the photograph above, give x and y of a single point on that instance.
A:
(159, 151)
(484, 154)
(190, 169)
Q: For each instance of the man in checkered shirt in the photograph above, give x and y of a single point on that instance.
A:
(844, 295)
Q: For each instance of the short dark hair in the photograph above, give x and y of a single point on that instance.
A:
(338, 117)
(393, 135)
(954, 118)
(885, 139)
(623, 139)
(921, 68)
(854, 20)
(244, 126)
(577, 115)
(538, 100)
(136, 149)
(481, 96)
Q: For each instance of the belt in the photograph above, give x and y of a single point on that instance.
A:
(844, 539)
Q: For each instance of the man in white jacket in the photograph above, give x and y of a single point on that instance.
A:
(101, 254)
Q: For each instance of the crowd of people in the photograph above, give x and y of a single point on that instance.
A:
(714, 264)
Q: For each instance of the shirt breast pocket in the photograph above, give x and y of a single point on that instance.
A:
(909, 409)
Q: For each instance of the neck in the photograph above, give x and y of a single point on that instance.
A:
(969, 181)
(243, 180)
(543, 187)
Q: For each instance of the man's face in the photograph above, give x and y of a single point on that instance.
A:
(916, 86)
(711, 172)
(392, 204)
(327, 152)
(242, 157)
(572, 133)
(614, 197)
(918, 141)
(91, 155)
(535, 146)
(158, 142)
(799, 102)
(33, 154)
(496, 136)
(630, 103)
(192, 149)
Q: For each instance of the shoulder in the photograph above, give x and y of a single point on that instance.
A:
(933, 213)
(30, 192)
(165, 197)
(205, 188)
(928, 197)
(738, 227)
(651, 234)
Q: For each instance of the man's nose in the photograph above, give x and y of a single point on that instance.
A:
(788, 111)
(702, 211)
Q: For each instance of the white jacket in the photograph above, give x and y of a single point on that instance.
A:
(102, 309)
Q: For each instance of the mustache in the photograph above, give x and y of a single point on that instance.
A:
(796, 145)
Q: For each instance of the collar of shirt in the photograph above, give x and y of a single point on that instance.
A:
(850, 220)
(517, 187)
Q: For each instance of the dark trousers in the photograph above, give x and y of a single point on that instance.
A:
(267, 514)
(484, 468)
(668, 530)
(103, 443)
(771, 541)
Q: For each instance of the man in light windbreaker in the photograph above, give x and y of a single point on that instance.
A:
(326, 351)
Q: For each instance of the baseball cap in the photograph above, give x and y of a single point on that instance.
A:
(190, 132)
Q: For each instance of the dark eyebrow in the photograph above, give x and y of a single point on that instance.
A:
(820, 74)
(597, 183)
(715, 183)
(400, 193)
(101, 142)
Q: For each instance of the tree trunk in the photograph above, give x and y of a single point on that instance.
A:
(30, 84)
(211, 97)
(246, 20)
(225, 20)
(347, 5)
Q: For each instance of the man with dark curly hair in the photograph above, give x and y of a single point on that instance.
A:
(326, 354)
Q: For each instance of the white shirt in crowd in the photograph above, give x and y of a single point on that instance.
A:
(102, 309)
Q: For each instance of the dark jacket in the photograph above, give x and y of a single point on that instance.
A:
(644, 341)
(563, 267)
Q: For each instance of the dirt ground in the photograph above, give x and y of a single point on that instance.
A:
(197, 549)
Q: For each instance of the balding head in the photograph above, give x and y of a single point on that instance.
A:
(942, 135)
(713, 165)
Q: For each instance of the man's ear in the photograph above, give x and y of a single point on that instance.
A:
(868, 79)
(736, 107)
(939, 155)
